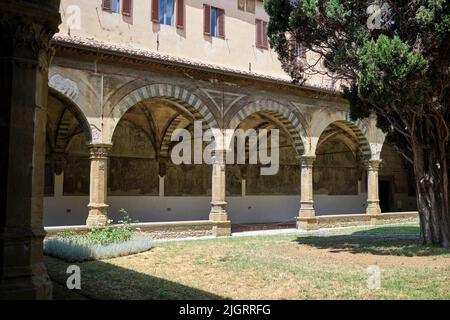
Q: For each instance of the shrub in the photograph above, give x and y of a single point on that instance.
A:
(99, 243)
(80, 248)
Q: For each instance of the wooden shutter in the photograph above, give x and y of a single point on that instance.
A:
(207, 19)
(221, 23)
(106, 5)
(155, 11)
(180, 14)
(265, 41)
(258, 24)
(127, 6)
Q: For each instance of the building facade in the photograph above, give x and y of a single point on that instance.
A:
(127, 74)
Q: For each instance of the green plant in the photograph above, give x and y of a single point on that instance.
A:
(67, 233)
(112, 240)
(112, 233)
(81, 248)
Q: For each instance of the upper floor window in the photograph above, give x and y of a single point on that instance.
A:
(261, 34)
(163, 12)
(247, 5)
(166, 11)
(214, 21)
(299, 51)
(296, 48)
(115, 6)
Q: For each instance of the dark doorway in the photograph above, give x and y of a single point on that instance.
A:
(385, 195)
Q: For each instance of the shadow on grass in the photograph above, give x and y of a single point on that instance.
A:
(395, 241)
(105, 281)
(391, 230)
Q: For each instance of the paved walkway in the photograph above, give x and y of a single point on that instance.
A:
(294, 231)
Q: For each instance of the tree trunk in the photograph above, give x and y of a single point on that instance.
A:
(430, 169)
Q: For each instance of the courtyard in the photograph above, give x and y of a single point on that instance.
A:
(330, 264)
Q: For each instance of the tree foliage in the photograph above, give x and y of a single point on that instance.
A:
(392, 59)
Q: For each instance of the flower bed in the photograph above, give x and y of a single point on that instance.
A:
(98, 243)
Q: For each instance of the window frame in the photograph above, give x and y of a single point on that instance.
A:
(217, 24)
(260, 26)
(119, 6)
(163, 9)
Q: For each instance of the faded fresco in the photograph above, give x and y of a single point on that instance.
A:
(188, 180)
(335, 170)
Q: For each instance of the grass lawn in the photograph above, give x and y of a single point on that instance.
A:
(273, 267)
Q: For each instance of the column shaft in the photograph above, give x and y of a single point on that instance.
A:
(306, 216)
(373, 201)
(218, 212)
(26, 29)
(306, 197)
(98, 209)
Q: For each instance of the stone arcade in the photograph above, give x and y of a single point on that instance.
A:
(90, 132)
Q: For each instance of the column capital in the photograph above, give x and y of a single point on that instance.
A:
(218, 156)
(162, 166)
(373, 165)
(99, 151)
(307, 161)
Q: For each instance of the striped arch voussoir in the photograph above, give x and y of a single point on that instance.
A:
(282, 113)
(174, 93)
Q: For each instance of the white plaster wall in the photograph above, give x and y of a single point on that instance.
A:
(249, 209)
(236, 51)
(65, 211)
(70, 210)
(406, 203)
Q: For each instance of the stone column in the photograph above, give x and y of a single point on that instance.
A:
(26, 28)
(98, 209)
(218, 214)
(307, 216)
(373, 201)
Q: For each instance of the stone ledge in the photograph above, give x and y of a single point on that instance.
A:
(332, 221)
(158, 230)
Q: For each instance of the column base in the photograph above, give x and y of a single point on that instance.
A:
(376, 218)
(306, 212)
(221, 229)
(23, 276)
(307, 223)
(98, 215)
(373, 209)
(221, 226)
(36, 287)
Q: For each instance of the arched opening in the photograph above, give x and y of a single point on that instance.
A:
(397, 188)
(66, 182)
(339, 174)
(254, 198)
(142, 178)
